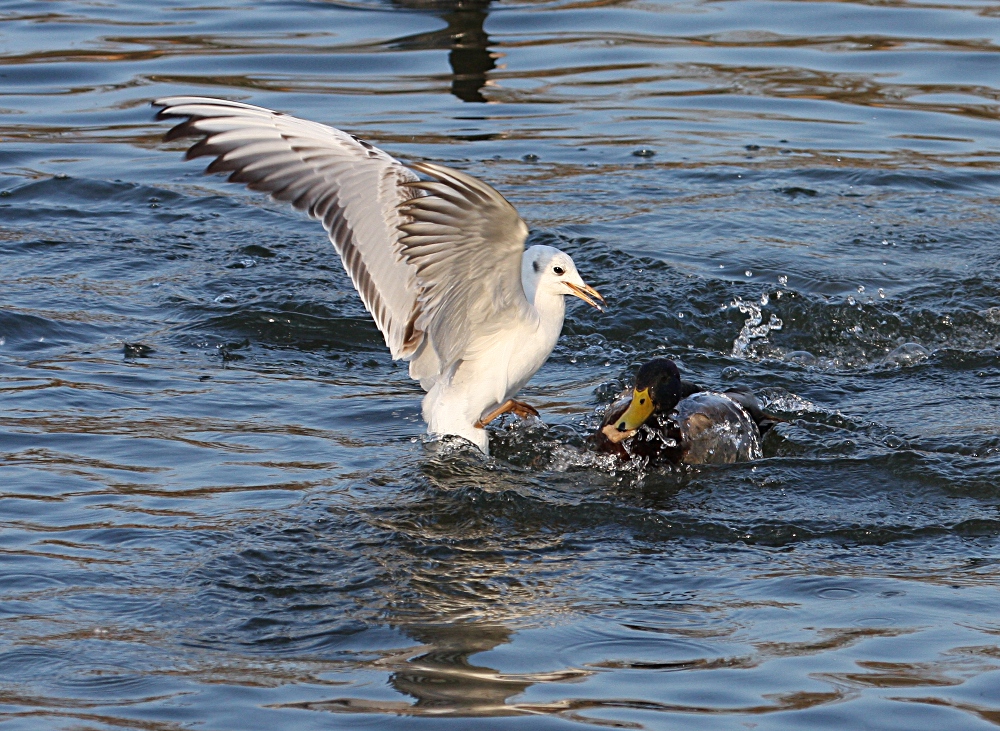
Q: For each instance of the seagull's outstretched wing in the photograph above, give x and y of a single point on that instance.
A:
(353, 188)
(436, 262)
(466, 241)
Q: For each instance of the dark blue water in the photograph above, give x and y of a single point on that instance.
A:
(217, 508)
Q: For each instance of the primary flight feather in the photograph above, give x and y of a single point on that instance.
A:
(440, 264)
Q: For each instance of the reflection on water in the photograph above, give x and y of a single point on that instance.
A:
(441, 677)
(217, 507)
(465, 39)
(442, 681)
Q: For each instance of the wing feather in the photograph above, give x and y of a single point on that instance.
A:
(466, 242)
(353, 188)
(437, 262)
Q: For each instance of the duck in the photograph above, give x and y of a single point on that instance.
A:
(666, 419)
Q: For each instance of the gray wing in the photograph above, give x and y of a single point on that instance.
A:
(436, 262)
(354, 189)
(466, 242)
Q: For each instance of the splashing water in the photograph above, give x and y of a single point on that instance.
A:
(754, 327)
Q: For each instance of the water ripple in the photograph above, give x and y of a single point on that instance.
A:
(218, 505)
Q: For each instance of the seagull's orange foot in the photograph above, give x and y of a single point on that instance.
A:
(523, 410)
(519, 408)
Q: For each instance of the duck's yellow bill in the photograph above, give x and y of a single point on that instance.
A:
(638, 411)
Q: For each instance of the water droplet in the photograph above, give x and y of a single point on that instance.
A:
(748, 273)
(881, 293)
(680, 315)
(753, 328)
(731, 373)
(992, 315)
(782, 280)
(861, 288)
(851, 300)
(802, 357)
(907, 354)
(644, 152)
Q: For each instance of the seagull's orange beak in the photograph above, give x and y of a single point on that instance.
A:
(587, 293)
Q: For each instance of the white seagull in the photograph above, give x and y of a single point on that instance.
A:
(440, 264)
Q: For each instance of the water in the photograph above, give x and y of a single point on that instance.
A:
(217, 508)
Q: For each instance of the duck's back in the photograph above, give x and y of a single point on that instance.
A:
(716, 430)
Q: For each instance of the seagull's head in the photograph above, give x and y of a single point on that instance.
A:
(549, 270)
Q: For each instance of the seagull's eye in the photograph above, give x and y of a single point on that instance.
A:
(559, 270)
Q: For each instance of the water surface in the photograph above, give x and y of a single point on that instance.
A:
(218, 509)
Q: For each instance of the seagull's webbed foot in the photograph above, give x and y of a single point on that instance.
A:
(523, 410)
(519, 408)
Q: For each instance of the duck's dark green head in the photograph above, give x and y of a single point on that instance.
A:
(657, 388)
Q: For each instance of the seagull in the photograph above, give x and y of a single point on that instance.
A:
(438, 261)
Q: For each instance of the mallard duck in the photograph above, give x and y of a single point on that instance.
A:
(668, 419)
